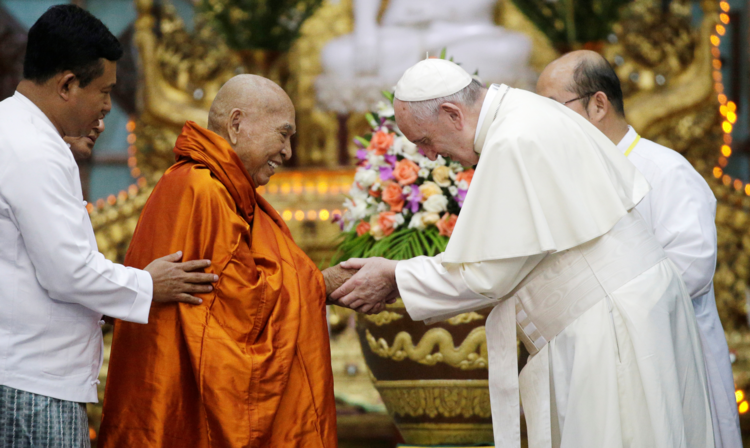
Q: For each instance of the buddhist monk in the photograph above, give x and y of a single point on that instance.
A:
(250, 366)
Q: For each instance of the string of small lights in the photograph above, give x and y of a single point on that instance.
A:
(134, 171)
(728, 109)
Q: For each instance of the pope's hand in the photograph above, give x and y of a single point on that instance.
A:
(176, 282)
(369, 289)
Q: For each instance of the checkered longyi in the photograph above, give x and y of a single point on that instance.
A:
(30, 420)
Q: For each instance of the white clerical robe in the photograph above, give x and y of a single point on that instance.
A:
(552, 195)
(681, 210)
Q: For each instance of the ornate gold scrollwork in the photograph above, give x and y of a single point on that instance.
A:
(383, 318)
(445, 398)
(472, 354)
(465, 318)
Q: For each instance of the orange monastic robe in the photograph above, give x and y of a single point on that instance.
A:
(251, 365)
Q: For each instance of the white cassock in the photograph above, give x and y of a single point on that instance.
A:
(548, 237)
(681, 210)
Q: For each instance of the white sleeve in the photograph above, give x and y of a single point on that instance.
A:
(684, 224)
(58, 237)
(434, 292)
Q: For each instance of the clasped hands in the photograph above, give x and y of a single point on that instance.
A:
(365, 285)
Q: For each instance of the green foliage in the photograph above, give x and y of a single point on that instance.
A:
(271, 25)
(402, 244)
(570, 23)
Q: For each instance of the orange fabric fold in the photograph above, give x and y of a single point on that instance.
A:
(250, 366)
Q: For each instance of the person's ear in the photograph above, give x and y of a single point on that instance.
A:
(64, 83)
(598, 107)
(455, 114)
(233, 125)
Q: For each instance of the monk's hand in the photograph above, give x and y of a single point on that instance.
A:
(335, 276)
(176, 282)
(371, 288)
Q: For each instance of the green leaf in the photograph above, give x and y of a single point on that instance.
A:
(443, 52)
(388, 95)
(364, 142)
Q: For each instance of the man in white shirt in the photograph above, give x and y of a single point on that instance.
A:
(680, 209)
(547, 237)
(54, 284)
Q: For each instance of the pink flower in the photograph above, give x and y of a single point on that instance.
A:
(381, 142)
(446, 224)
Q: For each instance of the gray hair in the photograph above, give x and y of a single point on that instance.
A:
(468, 96)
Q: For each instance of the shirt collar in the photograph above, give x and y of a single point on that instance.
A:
(34, 109)
(491, 92)
(627, 139)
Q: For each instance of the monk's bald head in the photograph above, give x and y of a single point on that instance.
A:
(254, 94)
(581, 74)
(256, 117)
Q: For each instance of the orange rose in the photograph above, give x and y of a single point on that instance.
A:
(362, 228)
(381, 142)
(393, 196)
(446, 224)
(467, 175)
(405, 172)
(386, 220)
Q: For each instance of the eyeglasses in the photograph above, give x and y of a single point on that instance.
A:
(576, 99)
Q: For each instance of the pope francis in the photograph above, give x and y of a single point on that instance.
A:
(549, 237)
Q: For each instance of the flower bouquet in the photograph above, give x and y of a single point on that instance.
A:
(401, 204)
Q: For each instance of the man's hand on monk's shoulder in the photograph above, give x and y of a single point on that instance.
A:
(370, 288)
(176, 282)
(335, 276)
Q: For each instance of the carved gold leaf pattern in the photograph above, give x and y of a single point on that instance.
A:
(465, 318)
(471, 354)
(442, 398)
(383, 318)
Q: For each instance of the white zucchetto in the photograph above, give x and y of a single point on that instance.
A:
(430, 79)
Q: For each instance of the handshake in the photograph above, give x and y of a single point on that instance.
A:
(365, 285)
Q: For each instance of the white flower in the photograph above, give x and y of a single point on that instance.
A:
(366, 177)
(424, 172)
(399, 217)
(457, 167)
(371, 200)
(416, 222)
(407, 190)
(436, 203)
(357, 209)
(358, 194)
(383, 207)
(440, 161)
(463, 185)
(385, 109)
(453, 190)
(376, 160)
(408, 147)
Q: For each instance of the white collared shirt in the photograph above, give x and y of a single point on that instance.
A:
(681, 210)
(54, 284)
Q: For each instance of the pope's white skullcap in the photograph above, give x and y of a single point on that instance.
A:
(430, 79)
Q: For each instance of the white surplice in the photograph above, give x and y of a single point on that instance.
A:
(547, 215)
(681, 210)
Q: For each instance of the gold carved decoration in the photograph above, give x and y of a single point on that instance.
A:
(383, 318)
(465, 318)
(471, 354)
(436, 398)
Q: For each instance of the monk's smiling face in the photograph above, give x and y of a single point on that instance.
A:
(256, 117)
(264, 140)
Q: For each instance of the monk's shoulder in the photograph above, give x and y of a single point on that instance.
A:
(197, 182)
